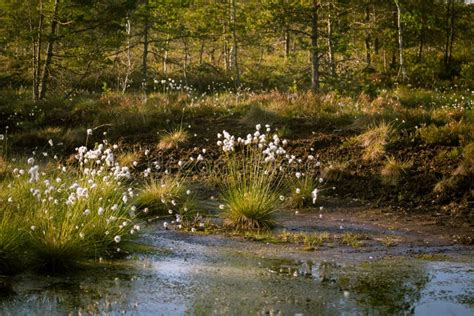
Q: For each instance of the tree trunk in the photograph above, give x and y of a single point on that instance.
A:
(225, 51)
(451, 32)
(43, 84)
(314, 48)
(235, 60)
(332, 62)
(420, 48)
(165, 56)
(128, 29)
(145, 49)
(384, 56)
(393, 61)
(201, 53)
(185, 60)
(287, 43)
(37, 43)
(401, 70)
(368, 57)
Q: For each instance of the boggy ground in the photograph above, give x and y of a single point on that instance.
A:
(353, 231)
(356, 180)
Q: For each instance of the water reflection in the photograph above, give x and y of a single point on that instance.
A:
(386, 287)
(248, 285)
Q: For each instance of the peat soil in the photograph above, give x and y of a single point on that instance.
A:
(359, 181)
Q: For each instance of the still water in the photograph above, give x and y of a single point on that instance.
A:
(199, 278)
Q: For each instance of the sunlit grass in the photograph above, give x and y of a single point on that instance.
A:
(374, 140)
(58, 217)
(251, 188)
(302, 190)
(129, 158)
(173, 139)
(166, 196)
(393, 170)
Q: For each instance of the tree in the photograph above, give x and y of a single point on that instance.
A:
(401, 70)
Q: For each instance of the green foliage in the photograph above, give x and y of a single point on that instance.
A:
(54, 219)
(449, 134)
(355, 240)
(251, 189)
(95, 51)
(393, 170)
(301, 189)
(168, 194)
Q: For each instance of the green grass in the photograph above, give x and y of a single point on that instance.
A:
(158, 197)
(355, 240)
(63, 217)
(393, 170)
(250, 190)
(12, 242)
(452, 133)
(250, 205)
(300, 190)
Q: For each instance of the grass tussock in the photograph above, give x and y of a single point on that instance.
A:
(450, 134)
(301, 190)
(170, 193)
(461, 179)
(129, 159)
(249, 206)
(374, 140)
(393, 170)
(54, 219)
(251, 186)
(173, 139)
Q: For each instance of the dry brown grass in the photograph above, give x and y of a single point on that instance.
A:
(374, 140)
(173, 139)
(128, 158)
(3, 167)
